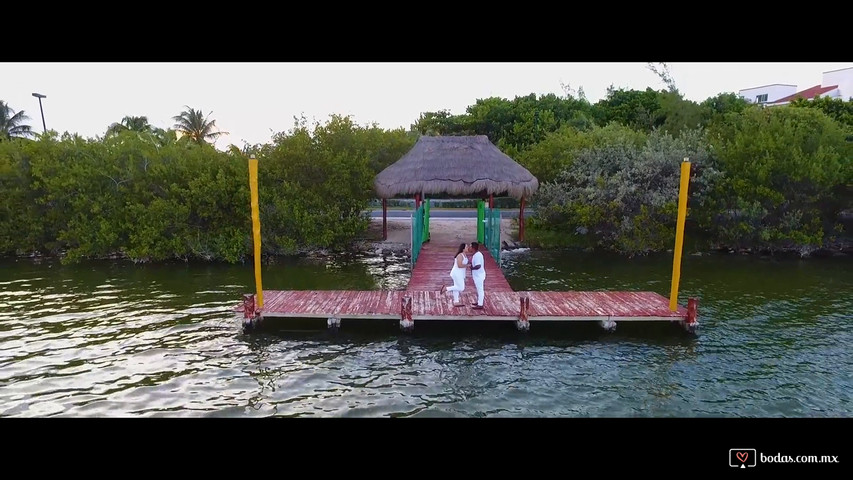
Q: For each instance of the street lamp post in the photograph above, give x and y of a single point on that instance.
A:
(40, 96)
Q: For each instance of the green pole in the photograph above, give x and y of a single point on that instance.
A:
(426, 220)
(481, 215)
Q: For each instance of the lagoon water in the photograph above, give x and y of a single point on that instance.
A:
(118, 339)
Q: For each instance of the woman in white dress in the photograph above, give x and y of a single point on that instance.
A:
(457, 273)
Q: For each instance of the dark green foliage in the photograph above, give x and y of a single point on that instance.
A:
(314, 187)
(768, 178)
(512, 125)
(637, 109)
(124, 195)
(839, 110)
(151, 198)
(715, 108)
(621, 194)
(785, 170)
(762, 178)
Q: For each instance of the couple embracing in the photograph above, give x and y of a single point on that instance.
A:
(457, 273)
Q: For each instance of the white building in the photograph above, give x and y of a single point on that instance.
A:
(834, 84)
(843, 79)
(767, 93)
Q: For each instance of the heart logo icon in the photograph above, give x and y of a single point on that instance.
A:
(742, 456)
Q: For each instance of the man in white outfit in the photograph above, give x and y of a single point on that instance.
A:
(478, 274)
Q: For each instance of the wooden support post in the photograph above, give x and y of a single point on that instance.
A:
(406, 322)
(417, 200)
(521, 221)
(251, 314)
(691, 322)
(523, 322)
(384, 219)
(491, 201)
(248, 306)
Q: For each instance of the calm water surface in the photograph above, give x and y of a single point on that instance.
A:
(117, 339)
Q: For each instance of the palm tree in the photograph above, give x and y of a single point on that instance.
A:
(11, 123)
(164, 137)
(193, 124)
(242, 152)
(134, 124)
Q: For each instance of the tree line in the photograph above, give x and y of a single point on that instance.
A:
(144, 194)
(770, 179)
(763, 178)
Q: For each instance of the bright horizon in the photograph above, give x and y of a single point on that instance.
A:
(252, 101)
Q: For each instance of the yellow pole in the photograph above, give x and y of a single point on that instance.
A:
(256, 229)
(679, 234)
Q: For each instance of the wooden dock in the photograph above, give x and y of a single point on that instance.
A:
(421, 301)
(431, 305)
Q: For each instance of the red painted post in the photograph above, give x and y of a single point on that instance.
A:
(692, 307)
(521, 221)
(384, 219)
(409, 310)
(417, 200)
(248, 306)
(491, 201)
(406, 322)
(523, 322)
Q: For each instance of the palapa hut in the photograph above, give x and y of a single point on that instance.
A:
(458, 166)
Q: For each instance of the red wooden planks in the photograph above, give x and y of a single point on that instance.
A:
(601, 304)
(433, 270)
(431, 304)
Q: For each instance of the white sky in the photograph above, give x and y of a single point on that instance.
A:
(253, 100)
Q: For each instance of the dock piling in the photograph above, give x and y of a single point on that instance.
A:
(691, 323)
(406, 322)
(523, 322)
(251, 314)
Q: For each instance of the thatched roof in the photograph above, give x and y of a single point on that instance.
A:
(455, 165)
